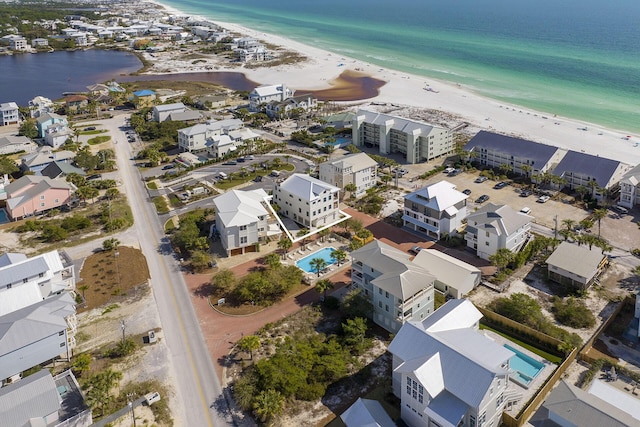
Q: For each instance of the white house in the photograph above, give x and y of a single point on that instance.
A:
(358, 169)
(494, 227)
(417, 141)
(243, 219)
(9, 114)
(398, 289)
(630, 188)
(162, 112)
(366, 413)
(446, 373)
(36, 334)
(206, 137)
(435, 210)
(453, 276)
(16, 144)
(265, 94)
(308, 201)
(305, 102)
(25, 281)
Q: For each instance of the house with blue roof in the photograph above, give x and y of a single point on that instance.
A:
(144, 98)
(525, 157)
(593, 172)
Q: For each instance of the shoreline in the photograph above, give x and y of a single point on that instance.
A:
(405, 90)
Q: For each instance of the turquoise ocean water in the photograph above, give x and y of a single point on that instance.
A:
(575, 58)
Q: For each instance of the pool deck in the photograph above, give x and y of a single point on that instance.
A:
(329, 242)
(515, 388)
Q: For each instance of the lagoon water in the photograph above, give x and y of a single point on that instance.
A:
(576, 58)
(25, 76)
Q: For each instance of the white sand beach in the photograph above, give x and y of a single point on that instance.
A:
(405, 90)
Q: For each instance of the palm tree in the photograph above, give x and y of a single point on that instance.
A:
(569, 223)
(598, 214)
(284, 244)
(339, 255)
(268, 404)
(351, 188)
(303, 233)
(323, 286)
(526, 169)
(565, 234)
(593, 185)
(272, 260)
(318, 264)
(323, 234)
(83, 288)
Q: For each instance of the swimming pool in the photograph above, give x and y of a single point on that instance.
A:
(524, 368)
(3, 216)
(339, 142)
(305, 263)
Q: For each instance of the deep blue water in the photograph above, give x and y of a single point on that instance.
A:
(25, 76)
(577, 58)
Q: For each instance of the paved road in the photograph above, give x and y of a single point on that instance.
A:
(198, 386)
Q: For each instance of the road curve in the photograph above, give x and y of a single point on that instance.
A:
(198, 387)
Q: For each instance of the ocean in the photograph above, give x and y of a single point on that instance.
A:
(574, 58)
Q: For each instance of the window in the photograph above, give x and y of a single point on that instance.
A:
(25, 280)
(380, 304)
(42, 205)
(9, 286)
(386, 307)
(42, 197)
(487, 233)
(380, 291)
(486, 243)
(243, 240)
(472, 421)
(61, 333)
(386, 294)
(62, 344)
(243, 228)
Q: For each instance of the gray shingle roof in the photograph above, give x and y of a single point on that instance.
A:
(539, 153)
(597, 167)
(35, 396)
(576, 259)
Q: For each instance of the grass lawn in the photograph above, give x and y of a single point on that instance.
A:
(152, 185)
(161, 205)
(93, 132)
(98, 140)
(230, 183)
(107, 275)
(550, 357)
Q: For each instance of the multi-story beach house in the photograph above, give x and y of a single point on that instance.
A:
(36, 334)
(244, 219)
(202, 137)
(592, 172)
(576, 267)
(42, 157)
(435, 210)
(34, 194)
(280, 109)
(262, 95)
(16, 144)
(454, 278)
(144, 98)
(417, 141)
(357, 169)
(399, 290)
(447, 374)
(630, 188)
(9, 114)
(57, 134)
(163, 112)
(26, 281)
(521, 156)
(308, 201)
(493, 227)
(47, 119)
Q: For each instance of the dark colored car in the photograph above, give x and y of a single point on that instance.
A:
(230, 163)
(169, 166)
(90, 128)
(467, 191)
(257, 178)
(526, 193)
(500, 185)
(240, 160)
(94, 176)
(482, 198)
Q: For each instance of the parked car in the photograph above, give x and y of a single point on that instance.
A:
(240, 160)
(482, 198)
(257, 178)
(230, 163)
(169, 166)
(249, 157)
(620, 209)
(500, 185)
(466, 191)
(480, 179)
(94, 176)
(449, 170)
(455, 172)
(526, 210)
(275, 173)
(526, 193)
(415, 249)
(543, 199)
(90, 128)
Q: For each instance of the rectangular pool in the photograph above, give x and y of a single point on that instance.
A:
(305, 263)
(524, 368)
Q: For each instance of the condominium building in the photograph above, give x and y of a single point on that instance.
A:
(417, 141)
(358, 169)
(398, 289)
(435, 210)
(308, 201)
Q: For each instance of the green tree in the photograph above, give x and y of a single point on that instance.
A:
(53, 233)
(82, 289)
(85, 160)
(339, 255)
(322, 286)
(29, 129)
(249, 344)
(502, 258)
(364, 234)
(284, 244)
(569, 223)
(318, 264)
(225, 280)
(272, 260)
(86, 192)
(81, 364)
(352, 224)
(76, 179)
(7, 166)
(322, 234)
(200, 260)
(112, 193)
(354, 331)
(99, 393)
(519, 307)
(351, 188)
(303, 233)
(268, 404)
(598, 215)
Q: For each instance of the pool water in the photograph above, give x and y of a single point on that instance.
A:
(325, 253)
(339, 142)
(524, 368)
(3, 216)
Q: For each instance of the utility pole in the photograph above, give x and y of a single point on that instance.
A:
(133, 415)
(123, 327)
(555, 230)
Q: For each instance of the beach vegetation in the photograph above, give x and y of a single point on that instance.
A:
(8, 166)
(28, 128)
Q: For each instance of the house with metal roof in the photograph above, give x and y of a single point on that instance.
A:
(357, 169)
(576, 266)
(435, 210)
(262, 95)
(144, 98)
(162, 113)
(40, 397)
(494, 227)
(523, 156)
(308, 201)
(398, 289)
(454, 277)
(339, 121)
(201, 137)
(417, 141)
(32, 194)
(571, 406)
(61, 170)
(281, 109)
(42, 157)
(366, 413)
(593, 172)
(15, 144)
(447, 373)
(36, 334)
(630, 188)
(25, 281)
(243, 220)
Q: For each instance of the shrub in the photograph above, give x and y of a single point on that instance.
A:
(122, 349)
(573, 312)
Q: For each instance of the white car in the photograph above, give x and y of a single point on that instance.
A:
(526, 210)
(543, 199)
